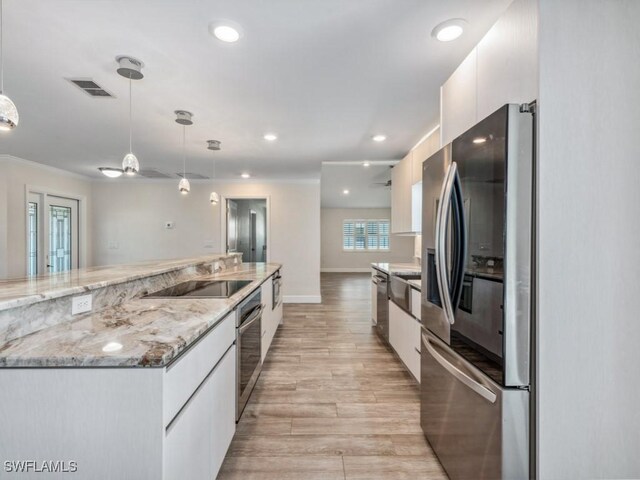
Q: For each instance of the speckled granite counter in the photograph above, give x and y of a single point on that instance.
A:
(151, 331)
(397, 267)
(25, 291)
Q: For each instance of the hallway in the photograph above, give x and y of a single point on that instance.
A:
(332, 401)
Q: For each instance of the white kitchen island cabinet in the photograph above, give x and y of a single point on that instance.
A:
(166, 423)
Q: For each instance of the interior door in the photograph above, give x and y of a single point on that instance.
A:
(232, 226)
(52, 234)
(61, 238)
(252, 235)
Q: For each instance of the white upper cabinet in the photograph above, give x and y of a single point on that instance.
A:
(406, 193)
(507, 63)
(458, 98)
(501, 69)
(421, 152)
(401, 196)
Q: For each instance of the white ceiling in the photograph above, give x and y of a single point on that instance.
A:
(324, 74)
(363, 183)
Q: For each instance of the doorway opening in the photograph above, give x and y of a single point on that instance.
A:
(53, 234)
(246, 228)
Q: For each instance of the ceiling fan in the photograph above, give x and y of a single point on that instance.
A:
(386, 184)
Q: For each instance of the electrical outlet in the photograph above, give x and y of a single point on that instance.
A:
(81, 304)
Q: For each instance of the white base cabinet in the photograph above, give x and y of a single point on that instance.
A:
(167, 423)
(271, 317)
(196, 441)
(404, 337)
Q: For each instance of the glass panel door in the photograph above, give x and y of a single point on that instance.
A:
(52, 232)
(32, 238)
(60, 239)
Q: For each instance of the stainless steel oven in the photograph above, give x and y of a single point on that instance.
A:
(277, 289)
(248, 348)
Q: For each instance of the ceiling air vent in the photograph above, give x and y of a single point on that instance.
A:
(151, 173)
(193, 176)
(90, 87)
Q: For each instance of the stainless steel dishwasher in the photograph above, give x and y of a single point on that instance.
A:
(382, 304)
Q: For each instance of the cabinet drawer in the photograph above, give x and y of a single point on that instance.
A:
(415, 303)
(198, 439)
(182, 377)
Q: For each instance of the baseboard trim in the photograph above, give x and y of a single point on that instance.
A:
(345, 270)
(302, 299)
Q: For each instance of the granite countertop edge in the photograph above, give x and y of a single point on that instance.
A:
(148, 339)
(31, 298)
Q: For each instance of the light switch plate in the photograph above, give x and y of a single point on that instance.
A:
(81, 304)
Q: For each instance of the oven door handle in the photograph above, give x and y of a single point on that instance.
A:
(459, 374)
(257, 313)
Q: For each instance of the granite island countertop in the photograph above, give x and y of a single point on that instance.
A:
(24, 291)
(152, 332)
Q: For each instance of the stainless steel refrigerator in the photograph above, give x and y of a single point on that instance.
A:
(476, 278)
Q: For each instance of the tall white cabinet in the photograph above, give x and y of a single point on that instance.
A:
(501, 69)
(406, 194)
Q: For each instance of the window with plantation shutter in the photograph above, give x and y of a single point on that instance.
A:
(365, 235)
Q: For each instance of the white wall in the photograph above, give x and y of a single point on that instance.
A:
(15, 175)
(335, 259)
(588, 240)
(131, 215)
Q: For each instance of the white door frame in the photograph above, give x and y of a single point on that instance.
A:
(82, 220)
(223, 219)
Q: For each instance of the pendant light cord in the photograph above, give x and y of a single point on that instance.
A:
(130, 116)
(184, 153)
(1, 52)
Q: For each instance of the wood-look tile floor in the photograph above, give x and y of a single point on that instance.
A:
(332, 402)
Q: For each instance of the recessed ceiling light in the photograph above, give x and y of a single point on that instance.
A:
(111, 172)
(366, 164)
(245, 175)
(379, 138)
(479, 139)
(345, 192)
(449, 30)
(270, 137)
(112, 347)
(225, 31)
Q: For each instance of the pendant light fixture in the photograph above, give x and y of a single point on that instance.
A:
(8, 112)
(214, 145)
(184, 118)
(132, 69)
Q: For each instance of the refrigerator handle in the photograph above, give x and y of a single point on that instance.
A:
(459, 228)
(442, 216)
(459, 374)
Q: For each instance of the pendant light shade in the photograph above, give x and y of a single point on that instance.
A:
(184, 187)
(8, 112)
(130, 164)
(132, 69)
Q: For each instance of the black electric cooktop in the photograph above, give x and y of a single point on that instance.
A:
(201, 289)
